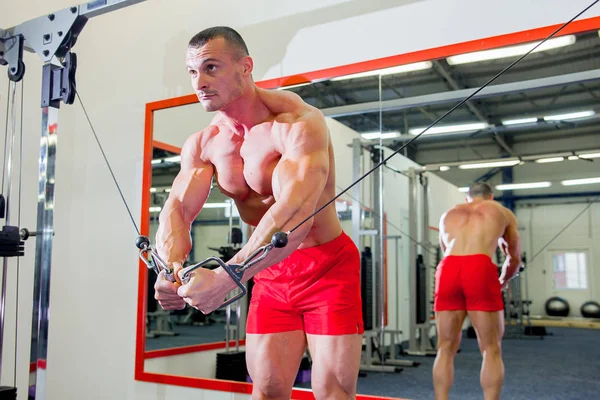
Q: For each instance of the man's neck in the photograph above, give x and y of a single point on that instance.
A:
(245, 112)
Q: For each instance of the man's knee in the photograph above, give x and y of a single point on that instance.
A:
(269, 385)
(492, 349)
(331, 387)
(448, 347)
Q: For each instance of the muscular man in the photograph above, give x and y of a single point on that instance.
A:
(467, 283)
(271, 153)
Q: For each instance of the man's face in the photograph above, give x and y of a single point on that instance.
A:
(215, 73)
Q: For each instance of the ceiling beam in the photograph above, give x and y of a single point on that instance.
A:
(459, 95)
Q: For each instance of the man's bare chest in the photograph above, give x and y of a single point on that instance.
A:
(245, 167)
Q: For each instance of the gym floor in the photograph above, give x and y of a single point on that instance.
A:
(562, 366)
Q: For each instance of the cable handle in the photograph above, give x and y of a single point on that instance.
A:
(157, 264)
(235, 271)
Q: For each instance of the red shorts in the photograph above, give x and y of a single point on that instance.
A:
(467, 283)
(315, 289)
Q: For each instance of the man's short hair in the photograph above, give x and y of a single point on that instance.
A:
(480, 189)
(232, 38)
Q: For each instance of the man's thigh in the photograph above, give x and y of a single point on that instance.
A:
(335, 361)
(274, 359)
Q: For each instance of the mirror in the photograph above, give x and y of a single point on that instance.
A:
(518, 130)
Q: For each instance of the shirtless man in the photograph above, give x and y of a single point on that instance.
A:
(467, 283)
(270, 152)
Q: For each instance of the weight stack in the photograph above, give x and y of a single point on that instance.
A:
(366, 287)
(8, 393)
(231, 366)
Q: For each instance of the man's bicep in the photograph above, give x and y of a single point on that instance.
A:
(192, 184)
(305, 163)
(305, 176)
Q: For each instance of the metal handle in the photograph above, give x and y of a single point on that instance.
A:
(157, 264)
(235, 271)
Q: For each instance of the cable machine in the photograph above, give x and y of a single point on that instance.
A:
(52, 38)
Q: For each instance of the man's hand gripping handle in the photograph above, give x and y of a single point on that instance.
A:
(235, 271)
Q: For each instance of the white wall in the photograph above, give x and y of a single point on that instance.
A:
(135, 56)
(200, 364)
(539, 224)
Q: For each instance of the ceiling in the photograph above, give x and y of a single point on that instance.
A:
(546, 83)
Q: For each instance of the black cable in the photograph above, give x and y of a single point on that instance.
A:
(442, 117)
(564, 228)
(108, 164)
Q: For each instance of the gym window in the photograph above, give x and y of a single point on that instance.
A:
(570, 270)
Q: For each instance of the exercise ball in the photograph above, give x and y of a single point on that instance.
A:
(590, 309)
(557, 307)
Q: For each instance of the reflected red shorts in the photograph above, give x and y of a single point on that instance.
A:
(315, 289)
(467, 283)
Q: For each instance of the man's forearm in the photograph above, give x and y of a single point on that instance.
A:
(173, 239)
(510, 267)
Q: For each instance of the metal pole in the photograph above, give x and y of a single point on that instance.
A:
(377, 254)
(382, 258)
(7, 213)
(227, 325)
(43, 250)
(425, 245)
(356, 212)
(412, 212)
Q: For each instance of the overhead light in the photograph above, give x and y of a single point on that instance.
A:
(549, 160)
(418, 66)
(155, 209)
(152, 190)
(512, 51)
(377, 135)
(519, 121)
(444, 168)
(294, 86)
(168, 190)
(517, 186)
(449, 128)
(589, 155)
(157, 161)
(216, 205)
(584, 181)
(174, 159)
(572, 158)
(564, 117)
(490, 164)
(463, 189)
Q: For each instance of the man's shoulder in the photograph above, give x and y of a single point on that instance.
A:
(202, 138)
(290, 107)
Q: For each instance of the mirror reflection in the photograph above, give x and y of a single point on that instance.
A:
(530, 135)
(216, 232)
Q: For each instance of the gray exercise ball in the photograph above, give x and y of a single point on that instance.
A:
(557, 307)
(590, 309)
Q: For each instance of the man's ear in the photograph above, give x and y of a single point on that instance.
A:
(248, 64)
